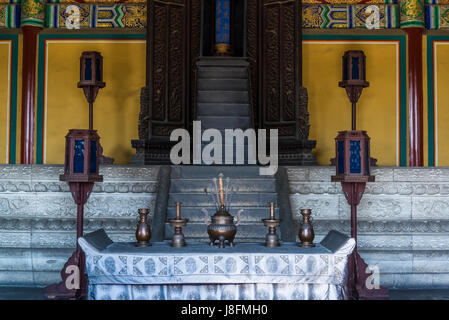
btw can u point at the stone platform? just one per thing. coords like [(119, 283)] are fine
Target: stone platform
[(403, 218)]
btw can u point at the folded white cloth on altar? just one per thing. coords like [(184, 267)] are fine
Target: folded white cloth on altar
[(156, 272)]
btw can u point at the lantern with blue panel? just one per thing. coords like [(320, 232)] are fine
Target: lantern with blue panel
[(91, 78), (82, 160), (354, 78), (353, 157)]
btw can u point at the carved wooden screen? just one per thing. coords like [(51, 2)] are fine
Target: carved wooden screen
[(280, 43), (167, 71)]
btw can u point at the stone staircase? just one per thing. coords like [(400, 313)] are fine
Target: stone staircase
[(187, 184), (223, 97)]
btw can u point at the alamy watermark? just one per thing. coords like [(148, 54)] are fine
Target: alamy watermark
[(212, 152), (373, 280)]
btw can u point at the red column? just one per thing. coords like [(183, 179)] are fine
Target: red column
[(415, 96), (28, 93)]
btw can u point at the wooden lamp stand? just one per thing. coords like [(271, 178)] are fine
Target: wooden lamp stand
[(352, 164), (81, 171)]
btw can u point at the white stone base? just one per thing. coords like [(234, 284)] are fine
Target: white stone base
[(403, 218)]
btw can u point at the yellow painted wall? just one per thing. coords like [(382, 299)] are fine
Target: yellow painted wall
[(441, 81), (6, 56), (329, 106), (117, 106), (5, 51)]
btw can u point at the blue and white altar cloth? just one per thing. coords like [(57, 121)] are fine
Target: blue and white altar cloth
[(199, 271)]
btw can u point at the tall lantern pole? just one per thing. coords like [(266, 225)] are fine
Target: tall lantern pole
[(352, 161), (81, 171)]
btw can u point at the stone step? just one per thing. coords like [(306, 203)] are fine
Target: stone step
[(249, 214), (230, 151), (222, 61), (223, 84), (243, 185), (239, 199), (223, 109), (209, 172), (198, 231), (223, 73), (216, 96), (223, 122)]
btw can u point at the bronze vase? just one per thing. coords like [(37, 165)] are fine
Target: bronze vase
[(306, 233), (143, 232)]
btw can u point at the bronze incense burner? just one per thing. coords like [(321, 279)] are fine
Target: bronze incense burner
[(222, 226)]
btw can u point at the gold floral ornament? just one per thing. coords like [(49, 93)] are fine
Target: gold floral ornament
[(311, 16), (412, 8), (32, 8), (134, 16)]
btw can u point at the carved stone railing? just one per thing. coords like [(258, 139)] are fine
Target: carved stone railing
[(38, 216), (403, 220)]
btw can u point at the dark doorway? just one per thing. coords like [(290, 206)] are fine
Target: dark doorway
[(238, 27)]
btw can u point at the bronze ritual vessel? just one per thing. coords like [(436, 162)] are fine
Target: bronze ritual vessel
[(143, 232), (306, 233), (222, 227)]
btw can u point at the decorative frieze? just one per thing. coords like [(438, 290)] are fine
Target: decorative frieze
[(317, 14), (9, 16), (425, 174), (379, 227), (62, 204), (430, 208), (52, 172), (348, 16), (133, 15)]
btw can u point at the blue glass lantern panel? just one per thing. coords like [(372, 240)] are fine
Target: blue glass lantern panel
[(355, 68), (88, 69), (364, 69), (93, 157), (222, 21), (341, 157), (78, 157), (367, 158), (67, 155), (345, 69), (97, 70), (355, 161)]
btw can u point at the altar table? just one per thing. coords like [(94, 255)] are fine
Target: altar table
[(247, 271)]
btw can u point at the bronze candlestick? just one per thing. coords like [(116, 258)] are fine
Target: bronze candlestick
[(178, 239), (143, 232), (306, 233), (272, 239)]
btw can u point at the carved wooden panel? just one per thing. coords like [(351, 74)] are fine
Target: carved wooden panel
[(168, 65), (195, 45), (280, 65), (252, 54)]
